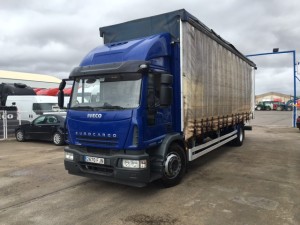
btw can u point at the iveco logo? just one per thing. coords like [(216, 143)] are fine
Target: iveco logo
[(94, 115)]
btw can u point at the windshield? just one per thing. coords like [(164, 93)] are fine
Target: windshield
[(117, 91)]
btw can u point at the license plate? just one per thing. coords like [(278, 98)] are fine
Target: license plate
[(91, 159)]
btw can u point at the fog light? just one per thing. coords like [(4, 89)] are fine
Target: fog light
[(69, 156), (134, 164), (143, 66), (143, 164)]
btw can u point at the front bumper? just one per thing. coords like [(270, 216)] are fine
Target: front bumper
[(111, 170)]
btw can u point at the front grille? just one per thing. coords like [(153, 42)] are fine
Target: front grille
[(103, 169), (99, 151), (103, 141)]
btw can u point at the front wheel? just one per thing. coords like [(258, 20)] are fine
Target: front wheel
[(58, 139), (174, 166), (20, 136)]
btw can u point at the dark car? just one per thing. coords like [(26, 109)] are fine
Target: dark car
[(49, 127), (298, 122)]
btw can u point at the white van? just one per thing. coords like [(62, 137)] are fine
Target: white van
[(31, 106)]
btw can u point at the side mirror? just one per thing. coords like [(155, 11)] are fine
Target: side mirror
[(62, 85), (166, 79), (166, 95), (166, 90), (61, 97)]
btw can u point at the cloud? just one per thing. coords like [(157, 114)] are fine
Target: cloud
[(276, 80), (52, 37)]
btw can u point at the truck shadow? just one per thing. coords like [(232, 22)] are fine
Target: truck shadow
[(210, 157), (198, 166)]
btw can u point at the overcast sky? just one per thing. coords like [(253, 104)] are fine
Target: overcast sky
[(51, 37)]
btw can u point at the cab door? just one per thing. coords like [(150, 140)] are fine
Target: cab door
[(158, 114)]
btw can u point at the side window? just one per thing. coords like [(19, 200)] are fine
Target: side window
[(39, 120), (36, 107), (51, 120)]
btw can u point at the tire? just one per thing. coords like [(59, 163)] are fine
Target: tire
[(279, 108), (268, 108), (58, 139), (289, 108), (20, 135), (174, 166), (258, 108), (238, 141)]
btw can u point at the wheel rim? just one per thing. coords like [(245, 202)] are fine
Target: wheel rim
[(56, 139), (20, 135), (241, 136), (172, 165)]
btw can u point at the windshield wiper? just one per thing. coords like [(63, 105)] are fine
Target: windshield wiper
[(94, 108), (111, 107), (83, 107)]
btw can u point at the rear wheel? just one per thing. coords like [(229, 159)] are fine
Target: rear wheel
[(258, 108), (279, 108), (238, 141), (20, 136), (175, 165), (58, 139)]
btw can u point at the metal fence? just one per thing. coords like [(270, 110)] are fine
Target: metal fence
[(8, 122)]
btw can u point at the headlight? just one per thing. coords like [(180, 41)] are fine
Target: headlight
[(135, 164), (69, 156)]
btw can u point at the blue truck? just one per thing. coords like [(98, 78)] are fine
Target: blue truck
[(161, 92)]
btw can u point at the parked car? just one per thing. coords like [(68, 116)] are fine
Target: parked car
[(281, 106), (49, 127), (273, 105), (265, 105)]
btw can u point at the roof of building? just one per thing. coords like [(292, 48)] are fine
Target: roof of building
[(28, 76), (273, 93), (30, 79)]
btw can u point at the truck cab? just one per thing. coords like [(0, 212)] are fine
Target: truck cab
[(121, 109)]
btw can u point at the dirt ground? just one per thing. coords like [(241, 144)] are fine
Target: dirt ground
[(257, 183)]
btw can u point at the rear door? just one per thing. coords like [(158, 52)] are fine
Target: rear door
[(51, 125), (38, 128)]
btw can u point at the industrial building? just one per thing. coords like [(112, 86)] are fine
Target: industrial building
[(272, 96)]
